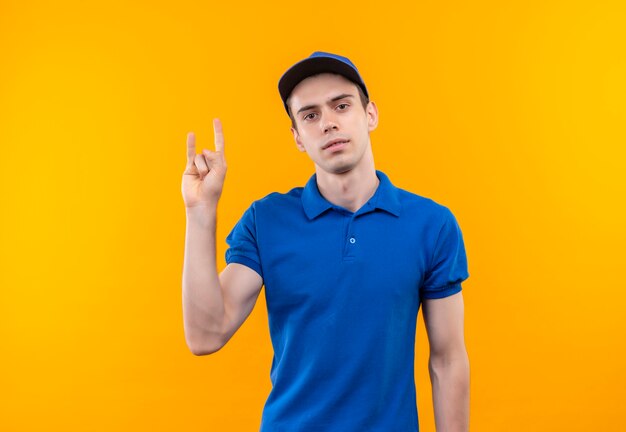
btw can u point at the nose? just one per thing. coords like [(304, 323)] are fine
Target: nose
[(329, 122)]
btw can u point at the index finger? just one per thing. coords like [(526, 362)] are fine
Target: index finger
[(191, 147), (219, 135)]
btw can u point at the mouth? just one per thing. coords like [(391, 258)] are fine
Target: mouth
[(336, 143)]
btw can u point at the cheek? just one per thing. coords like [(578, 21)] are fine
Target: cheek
[(364, 126), (307, 139)]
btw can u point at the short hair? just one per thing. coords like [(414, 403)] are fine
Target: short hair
[(362, 96)]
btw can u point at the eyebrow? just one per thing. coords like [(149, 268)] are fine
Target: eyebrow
[(341, 96)]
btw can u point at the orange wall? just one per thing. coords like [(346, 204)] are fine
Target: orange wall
[(510, 113)]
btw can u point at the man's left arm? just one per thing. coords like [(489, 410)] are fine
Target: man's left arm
[(448, 363)]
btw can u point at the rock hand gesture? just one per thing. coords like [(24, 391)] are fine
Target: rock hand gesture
[(204, 174)]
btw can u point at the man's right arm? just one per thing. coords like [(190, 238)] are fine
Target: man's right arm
[(214, 306)]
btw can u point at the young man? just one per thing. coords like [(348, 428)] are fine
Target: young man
[(346, 262)]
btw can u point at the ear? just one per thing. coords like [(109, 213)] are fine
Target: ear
[(296, 137), (372, 115)]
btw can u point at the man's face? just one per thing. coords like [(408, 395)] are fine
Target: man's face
[(327, 107)]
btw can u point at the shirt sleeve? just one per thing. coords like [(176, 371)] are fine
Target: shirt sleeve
[(242, 241), (449, 263)]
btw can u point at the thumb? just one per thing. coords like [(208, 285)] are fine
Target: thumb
[(213, 159)]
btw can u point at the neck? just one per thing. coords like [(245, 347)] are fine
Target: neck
[(350, 189)]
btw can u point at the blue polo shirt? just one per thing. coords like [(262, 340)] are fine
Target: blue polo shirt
[(343, 290)]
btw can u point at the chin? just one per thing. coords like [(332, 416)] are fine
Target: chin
[(340, 169)]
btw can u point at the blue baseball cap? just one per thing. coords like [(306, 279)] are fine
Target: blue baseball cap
[(318, 62)]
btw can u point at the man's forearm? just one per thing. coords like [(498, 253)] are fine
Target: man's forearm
[(450, 379), (203, 304)]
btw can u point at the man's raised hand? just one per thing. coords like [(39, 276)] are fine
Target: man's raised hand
[(204, 174)]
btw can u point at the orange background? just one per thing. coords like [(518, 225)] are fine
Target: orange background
[(510, 113)]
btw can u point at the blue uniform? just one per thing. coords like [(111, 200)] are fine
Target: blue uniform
[(343, 290)]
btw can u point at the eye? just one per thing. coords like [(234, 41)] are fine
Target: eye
[(306, 117), (342, 105)]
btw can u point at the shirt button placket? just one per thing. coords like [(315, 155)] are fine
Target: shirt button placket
[(350, 241)]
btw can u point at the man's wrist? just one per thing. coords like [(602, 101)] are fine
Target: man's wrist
[(203, 213)]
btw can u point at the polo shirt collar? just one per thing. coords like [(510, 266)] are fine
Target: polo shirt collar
[(385, 198)]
